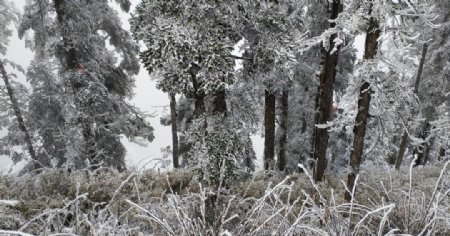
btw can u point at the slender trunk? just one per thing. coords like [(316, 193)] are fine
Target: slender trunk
[(427, 150), (401, 152), (269, 130), (420, 150), (283, 129), (359, 131), (41, 45), (18, 113), (441, 153), (391, 158), (421, 64), (71, 64), (327, 78), (173, 118)]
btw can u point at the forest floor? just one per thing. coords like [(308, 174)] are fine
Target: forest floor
[(413, 201)]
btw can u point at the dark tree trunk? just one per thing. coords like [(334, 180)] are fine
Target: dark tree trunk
[(420, 71), (173, 118), (403, 143), (420, 150), (60, 8), (269, 130), (359, 131), (327, 78), (283, 129), (18, 114), (427, 150), (401, 151), (199, 99), (90, 145), (71, 64), (220, 103), (441, 153)]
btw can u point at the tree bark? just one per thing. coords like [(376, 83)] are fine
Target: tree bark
[(173, 118), (18, 114), (60, 8), (327, 78), (359, 131), (401, 151), (420, 150), (427, 150), (269, 130), (220, 103), (71, 64), (283, 130), (441, 153), (402, 148), (392, 154), (199, 98)]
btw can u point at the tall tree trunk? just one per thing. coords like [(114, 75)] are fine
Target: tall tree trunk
[(173, 118), (359, 131), (402, 148), (283, 129), (71, 64), (269, 130), (18, 113), (327, 78)]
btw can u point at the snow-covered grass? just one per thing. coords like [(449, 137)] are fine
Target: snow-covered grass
[(412, 202)]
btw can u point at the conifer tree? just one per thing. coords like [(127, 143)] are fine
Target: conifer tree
[(9, 15), (89, 110)]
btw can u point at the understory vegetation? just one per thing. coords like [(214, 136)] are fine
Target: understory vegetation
[(106, 202)]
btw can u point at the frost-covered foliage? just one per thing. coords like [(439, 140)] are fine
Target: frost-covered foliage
[(271, 31), (391, 74), (219, 154), (185, 39), (434, 93), (9, 16), (16, 141), (107, 202), (79, 113), (188, 49)]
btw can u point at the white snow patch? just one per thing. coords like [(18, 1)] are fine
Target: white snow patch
[(9, 202)]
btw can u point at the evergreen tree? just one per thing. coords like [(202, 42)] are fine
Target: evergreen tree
[(191, 50), (325, 100), (271, 31), (18, 130), (87, 97)]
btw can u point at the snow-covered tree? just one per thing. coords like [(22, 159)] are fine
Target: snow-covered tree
[(87, 97), (12, 97), (271, 30), (189, 45)]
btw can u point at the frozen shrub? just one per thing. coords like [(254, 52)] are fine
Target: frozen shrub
[(386, 202)]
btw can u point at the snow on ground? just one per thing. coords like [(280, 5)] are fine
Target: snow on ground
[(9, 203)]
